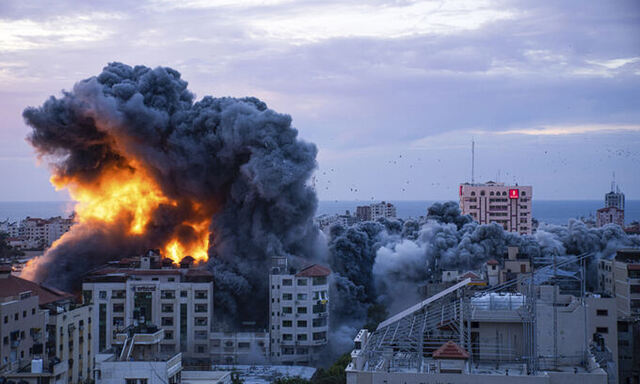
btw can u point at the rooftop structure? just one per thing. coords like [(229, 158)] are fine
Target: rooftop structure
[(485, 336), (376, 211)]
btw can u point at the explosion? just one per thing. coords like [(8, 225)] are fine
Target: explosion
[(130, 195), (222, 180)]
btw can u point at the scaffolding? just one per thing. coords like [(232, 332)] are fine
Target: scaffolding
[(407, 340)]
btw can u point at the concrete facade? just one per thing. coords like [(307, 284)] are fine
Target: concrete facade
[(299, 313), (507, 205), (179, 300), (69, 339), (609, 215)]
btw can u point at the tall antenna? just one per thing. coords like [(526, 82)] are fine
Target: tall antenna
[(473, 161), (613, 182)]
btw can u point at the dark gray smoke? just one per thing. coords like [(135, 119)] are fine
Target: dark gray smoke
[(232, 160), (383, 263)]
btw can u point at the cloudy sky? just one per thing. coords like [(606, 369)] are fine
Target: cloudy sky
[(391, 92)]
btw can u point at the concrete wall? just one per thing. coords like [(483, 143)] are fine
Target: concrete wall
[(445, 378)]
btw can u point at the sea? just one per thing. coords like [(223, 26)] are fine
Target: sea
[(548, 211)]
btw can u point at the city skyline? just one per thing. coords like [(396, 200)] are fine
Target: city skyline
[(549, 92)]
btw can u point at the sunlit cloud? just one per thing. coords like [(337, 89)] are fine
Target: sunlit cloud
[(25, 34), (310, 24), (555, 130)]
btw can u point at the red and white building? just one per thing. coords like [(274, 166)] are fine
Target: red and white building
[(491, 202), (610, 215)]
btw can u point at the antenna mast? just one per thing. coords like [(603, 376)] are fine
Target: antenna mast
[(613, 182), (473, 161)]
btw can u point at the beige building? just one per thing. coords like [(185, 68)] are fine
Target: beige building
[(45, 334), (148, 290), (299, 313), (609, 215), (620, 277), (491, 202)]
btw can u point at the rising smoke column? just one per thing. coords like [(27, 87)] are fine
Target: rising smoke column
[(221, 177)]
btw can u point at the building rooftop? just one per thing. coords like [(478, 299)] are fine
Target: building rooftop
[(14, 286), (450, 350), (314, 270)]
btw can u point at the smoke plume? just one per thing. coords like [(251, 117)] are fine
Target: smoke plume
[(384, 263), (220, 177)]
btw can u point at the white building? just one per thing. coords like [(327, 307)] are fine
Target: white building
[(326, 221), (146, 290), (299, 314), (374, 212), (507, 205), (135, 358)]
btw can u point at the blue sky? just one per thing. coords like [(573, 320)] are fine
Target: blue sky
[(391, 92)]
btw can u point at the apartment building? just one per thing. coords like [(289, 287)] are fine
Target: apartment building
[(299, 313), (491, 202), (148, 290), (620, 278), (45, 333), (609, 215), (373, 212)]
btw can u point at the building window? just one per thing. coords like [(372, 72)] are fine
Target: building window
[(287, 310), (184, 294), (118, 307), (201, 294), (6, 319), (602, 330), (200, 335), (102, 294), (319, 308), (320, 280), (287, 282), (167, 308), (168, 294), (302, 337), (319, 336), (199, 308), (602, 312), (287, 296), (287, 323), (118, 294), (201, 321), (167, 321), (287, 337), (302, 309), (302, 281), (118, 321), (623, 326), (168, 335), (302, 323), (302, 296), (320, 322)]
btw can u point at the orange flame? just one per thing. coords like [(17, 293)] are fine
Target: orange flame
[(130, 195)]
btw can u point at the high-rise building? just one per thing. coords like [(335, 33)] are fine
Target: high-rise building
[(491, 202), (613, 211), (150, 291), (299, 313)]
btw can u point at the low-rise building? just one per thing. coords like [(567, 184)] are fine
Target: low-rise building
[(299, 313), (376, 211), (619, 277)]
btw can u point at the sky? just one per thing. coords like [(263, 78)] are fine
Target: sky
[(391, 92)]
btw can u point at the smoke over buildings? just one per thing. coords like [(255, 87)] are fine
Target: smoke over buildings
[(380, 263), (220, 177)]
